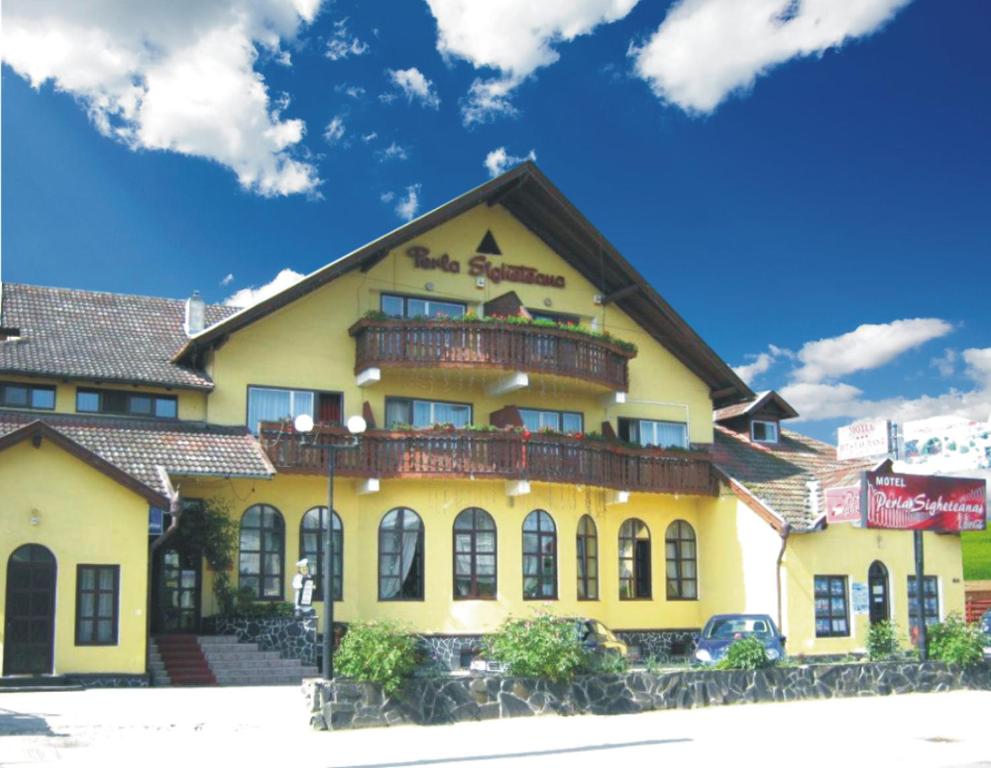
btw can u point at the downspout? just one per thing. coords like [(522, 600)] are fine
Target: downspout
[(175, 512), (784, 532)]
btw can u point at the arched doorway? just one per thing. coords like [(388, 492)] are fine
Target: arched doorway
[(877, 585), (29, 623)]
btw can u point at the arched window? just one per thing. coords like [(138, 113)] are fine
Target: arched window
[(311, 533), (401, 555), (587, 546), (877, 587), (682, 561), (262, 547), (539, 557), (474, 554), (634, 560)]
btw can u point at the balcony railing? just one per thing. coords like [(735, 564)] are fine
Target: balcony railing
[(526, 348), (493, 455)]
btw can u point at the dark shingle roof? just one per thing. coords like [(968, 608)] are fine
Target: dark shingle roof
[(778, 474), (138, 447), (98, 336)]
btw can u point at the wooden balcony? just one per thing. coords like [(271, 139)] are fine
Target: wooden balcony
[(506, 455), (492, 345)]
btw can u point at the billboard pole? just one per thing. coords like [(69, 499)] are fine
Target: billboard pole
[(920, 601)]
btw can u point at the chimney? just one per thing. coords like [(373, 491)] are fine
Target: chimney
[(195, 314)]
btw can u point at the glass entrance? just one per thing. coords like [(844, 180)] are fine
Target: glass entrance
[(178, 593), (877, 585), (29, 626)]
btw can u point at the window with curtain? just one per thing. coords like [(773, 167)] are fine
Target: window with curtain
[(261, 552), (832, 612), (311, 533), (764, 431), (268, 404), (539, 557), (97, 590), (474, 555), (682, 561), (425, 413), (634, 560), (587, 545), (410, 306), (658, 434), (560, 421), (930, 601), (401, 555)]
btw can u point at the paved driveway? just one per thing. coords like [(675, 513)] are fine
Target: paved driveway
[(267, 727)]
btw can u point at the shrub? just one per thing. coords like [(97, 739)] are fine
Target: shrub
[(882, 641), (377, 652), (605, 663), (956, 642), (746, 653), (545, 646)]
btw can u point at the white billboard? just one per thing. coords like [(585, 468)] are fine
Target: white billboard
[(864, 439)]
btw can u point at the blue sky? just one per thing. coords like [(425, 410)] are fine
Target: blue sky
[(845, 186)]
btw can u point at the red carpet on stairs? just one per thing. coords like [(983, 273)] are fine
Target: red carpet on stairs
[(184, 660)]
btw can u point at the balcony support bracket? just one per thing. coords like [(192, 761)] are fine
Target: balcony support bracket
[(367, 486), (368, 377), (510, 383), (618, 497), (517, 487)]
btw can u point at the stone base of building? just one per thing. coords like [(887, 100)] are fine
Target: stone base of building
[(341, 704), (293, 638), (99, 680)]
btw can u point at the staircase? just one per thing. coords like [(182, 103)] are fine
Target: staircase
[(220, 660), (178, 660)]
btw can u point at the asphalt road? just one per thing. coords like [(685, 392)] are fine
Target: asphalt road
[(267, 727)]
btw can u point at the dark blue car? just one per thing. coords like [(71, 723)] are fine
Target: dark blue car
[(986, 629), (724, 629)]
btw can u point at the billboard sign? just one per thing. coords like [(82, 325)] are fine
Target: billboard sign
[(864, 439), (924, 502), (947, 444), (843, 504)]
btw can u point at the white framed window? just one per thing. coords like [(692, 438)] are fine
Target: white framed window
[(411, 306), (657, 434), (764, 431), (560, 421), (281, 404), (425, 413)]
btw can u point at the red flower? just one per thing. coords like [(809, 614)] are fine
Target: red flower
[(579, 436), (526, 434)]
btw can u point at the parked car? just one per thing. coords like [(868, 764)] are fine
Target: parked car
[(594, 636), (986, 629), (724, 629)]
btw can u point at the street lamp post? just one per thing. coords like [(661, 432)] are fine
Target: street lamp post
[(356, 426)]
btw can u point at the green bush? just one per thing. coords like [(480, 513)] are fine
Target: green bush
[(956, 642), (545, 646), (746, 653), (882, 641), (604, 663), (377, 652)]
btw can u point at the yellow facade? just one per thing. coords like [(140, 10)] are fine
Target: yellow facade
[(83, 517)]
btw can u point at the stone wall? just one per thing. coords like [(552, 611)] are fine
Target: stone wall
[(661, 644), (342, 704), (293, 638), (98, 680)]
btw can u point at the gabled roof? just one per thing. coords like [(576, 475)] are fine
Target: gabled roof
[(530, 196), (98, 336), (776, 475), (139, 447), (761, 401), (39, 431)]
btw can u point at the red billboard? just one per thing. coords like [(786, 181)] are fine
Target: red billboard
[(924, 502), (843, 504)]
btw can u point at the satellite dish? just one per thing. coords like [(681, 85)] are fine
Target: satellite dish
[(303, 423), (356, 425)]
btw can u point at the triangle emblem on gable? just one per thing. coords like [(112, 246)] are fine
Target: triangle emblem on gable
[(489, 245)]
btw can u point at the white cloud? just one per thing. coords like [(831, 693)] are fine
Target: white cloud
[(866, 347), (368, 137), (946, 363), (343, 44), (334, 131), (499, 160), (415, 86), (248, 296), (392, 152), (750, 371), (387, 197), (228, 279), (178, 77), (514, 37), (409, 203), (704, 50), (352, 91)]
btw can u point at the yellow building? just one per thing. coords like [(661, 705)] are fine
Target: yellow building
[(541, 435)]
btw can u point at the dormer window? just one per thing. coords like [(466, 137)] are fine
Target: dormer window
[(764, 431)]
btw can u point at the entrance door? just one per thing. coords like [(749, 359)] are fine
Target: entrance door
[(29, 626), (877, 585), (178, 592)]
